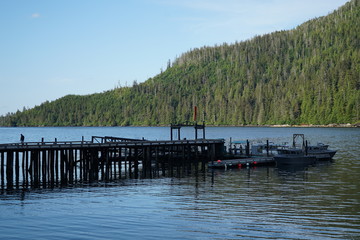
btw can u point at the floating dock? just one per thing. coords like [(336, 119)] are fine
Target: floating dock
[(242, 162)]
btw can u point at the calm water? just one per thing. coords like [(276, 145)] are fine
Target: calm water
[(320, 202)]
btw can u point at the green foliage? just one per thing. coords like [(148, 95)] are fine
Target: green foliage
[(308, 75)]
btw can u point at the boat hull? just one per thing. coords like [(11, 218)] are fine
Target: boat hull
[(294, 160), (324, 155)]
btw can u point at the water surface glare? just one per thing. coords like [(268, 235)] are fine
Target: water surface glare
[(318, 202)]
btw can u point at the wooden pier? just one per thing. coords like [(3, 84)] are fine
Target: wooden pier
[(49, 164)]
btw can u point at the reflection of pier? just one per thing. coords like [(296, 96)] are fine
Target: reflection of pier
[(46, 164)]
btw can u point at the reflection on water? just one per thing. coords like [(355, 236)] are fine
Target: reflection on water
[(314, 202)]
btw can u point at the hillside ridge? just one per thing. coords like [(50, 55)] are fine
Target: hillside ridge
[(308, 75)]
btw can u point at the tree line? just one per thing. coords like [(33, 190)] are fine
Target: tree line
[(307, 75)]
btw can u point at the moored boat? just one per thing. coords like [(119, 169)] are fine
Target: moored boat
[(293, 156), (321, 151), (304, 154)]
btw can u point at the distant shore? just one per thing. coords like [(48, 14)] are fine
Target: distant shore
[(333, 125)]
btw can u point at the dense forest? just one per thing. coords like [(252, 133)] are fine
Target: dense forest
[(307, 75)]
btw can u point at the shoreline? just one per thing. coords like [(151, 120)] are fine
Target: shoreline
[(333, 125)]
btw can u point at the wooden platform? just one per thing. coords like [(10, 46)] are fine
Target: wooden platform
[(45, 164)]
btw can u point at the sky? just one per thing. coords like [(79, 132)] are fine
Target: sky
[(49, 49)]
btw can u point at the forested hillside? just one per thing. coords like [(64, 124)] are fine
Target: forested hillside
[(308, 75)]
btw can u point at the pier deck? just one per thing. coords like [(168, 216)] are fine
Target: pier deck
[(43, 164)]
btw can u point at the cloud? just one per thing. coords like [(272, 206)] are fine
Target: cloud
[(35, 15)]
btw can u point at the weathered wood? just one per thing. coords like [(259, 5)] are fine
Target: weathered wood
[(23, 167), (17, 164), (52, 166), (27, 168), (9, 169), (2, 172), (43, 168), (45, 164)]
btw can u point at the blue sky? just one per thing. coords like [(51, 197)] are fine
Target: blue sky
[(49, 49)]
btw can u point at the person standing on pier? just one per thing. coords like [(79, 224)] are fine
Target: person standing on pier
[(22, 138)]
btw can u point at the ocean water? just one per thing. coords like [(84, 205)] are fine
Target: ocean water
[(317, 202)]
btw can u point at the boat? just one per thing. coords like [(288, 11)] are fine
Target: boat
[(321, 151), (293, 156), (305, 154), (265, 149)]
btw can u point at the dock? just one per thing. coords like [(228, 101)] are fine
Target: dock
[(243, 162), (60, 163)]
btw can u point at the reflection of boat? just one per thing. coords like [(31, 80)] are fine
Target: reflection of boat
[(293, 156)]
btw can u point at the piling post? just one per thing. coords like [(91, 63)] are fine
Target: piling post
[(136, 163), (196, 131), (81, 159), (144, 162), (126, 161), (86, 163), (36, 168), (2, 169), (102, 164), (71, 166), (95, 166), (157, 161), (52, 167), (57, 165), (129, 162), (9, 169), (119, 162), (43, 167), (27, 168), (107, 165), (164, 158), (75, 164), (62, 167), (188, 157), (89, 162), (247, 148), (23, 167), (204, 137), (170, 159), (67, 166), (17, 166)]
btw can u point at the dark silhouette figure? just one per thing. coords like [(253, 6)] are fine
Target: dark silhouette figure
[(22, 138)]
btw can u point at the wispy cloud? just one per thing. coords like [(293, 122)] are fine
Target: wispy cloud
[(35, 15)]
